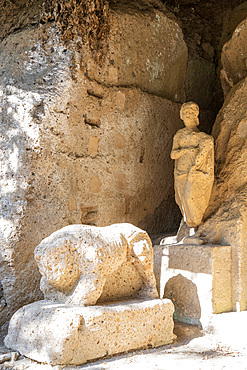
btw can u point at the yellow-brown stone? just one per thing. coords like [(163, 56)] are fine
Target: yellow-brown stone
[(95, 184), (120, 99), (119, 141), (121, 182), (93, 145)]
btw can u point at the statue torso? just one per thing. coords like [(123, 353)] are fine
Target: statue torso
[(187, 139)]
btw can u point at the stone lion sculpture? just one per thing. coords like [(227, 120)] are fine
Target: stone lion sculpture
[(76, 261)]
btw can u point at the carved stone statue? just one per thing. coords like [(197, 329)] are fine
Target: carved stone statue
[(193, 152), (76, 261), (78, 321)]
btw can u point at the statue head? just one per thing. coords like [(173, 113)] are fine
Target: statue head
[(58, 262), (189, 114)]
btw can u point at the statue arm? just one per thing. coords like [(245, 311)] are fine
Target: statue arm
[(87, 290), (205, 147), (177, 152), (50, 292)]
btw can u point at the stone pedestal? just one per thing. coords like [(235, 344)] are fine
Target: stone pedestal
[(196, 278), (59, 334)]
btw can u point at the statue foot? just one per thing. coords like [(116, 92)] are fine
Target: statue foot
[(148, 292), (195, 240)]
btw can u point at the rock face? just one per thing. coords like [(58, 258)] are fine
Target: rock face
[(234, 58), (159, 70), (80, 263), (84, 145), (227, 210), (226, 219), (26, 202)]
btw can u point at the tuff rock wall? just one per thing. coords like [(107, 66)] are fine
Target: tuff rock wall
[(226, 218), (84, 143)]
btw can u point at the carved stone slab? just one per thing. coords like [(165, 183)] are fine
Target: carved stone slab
[(60, 334), (197, 278)]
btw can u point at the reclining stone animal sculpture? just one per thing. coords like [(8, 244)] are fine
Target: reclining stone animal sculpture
[(76, 261)]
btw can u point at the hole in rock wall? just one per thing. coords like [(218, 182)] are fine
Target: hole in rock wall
[(183, 293)]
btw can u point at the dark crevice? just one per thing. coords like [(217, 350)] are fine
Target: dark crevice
[(3, 303), (205, 31)]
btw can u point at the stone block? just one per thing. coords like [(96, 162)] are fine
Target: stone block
[(95, 184), (155, 60), (119, 141), (196, 278), (121, 181), (61, 334)]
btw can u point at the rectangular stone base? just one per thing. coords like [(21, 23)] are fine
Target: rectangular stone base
[(197, 278), (61, 335)]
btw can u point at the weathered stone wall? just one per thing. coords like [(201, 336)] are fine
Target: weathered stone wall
[(32, 74), (234, 58), (83, 144), (227, 213), (146, 50)]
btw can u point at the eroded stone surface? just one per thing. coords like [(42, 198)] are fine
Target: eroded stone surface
[(196, 278), (234, 58), (193, 152), (78, 260), (30, 78), (62, 334), (160, 69), (74, 150), (226, 217)]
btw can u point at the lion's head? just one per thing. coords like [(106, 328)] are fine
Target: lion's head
[(58, 262)]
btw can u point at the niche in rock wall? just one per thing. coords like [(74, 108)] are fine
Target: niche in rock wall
[(184, 295)]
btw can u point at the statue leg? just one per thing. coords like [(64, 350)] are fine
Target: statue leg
[(142, 256), (87, 291), (196, 197), (51, 293), (180, 198)]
